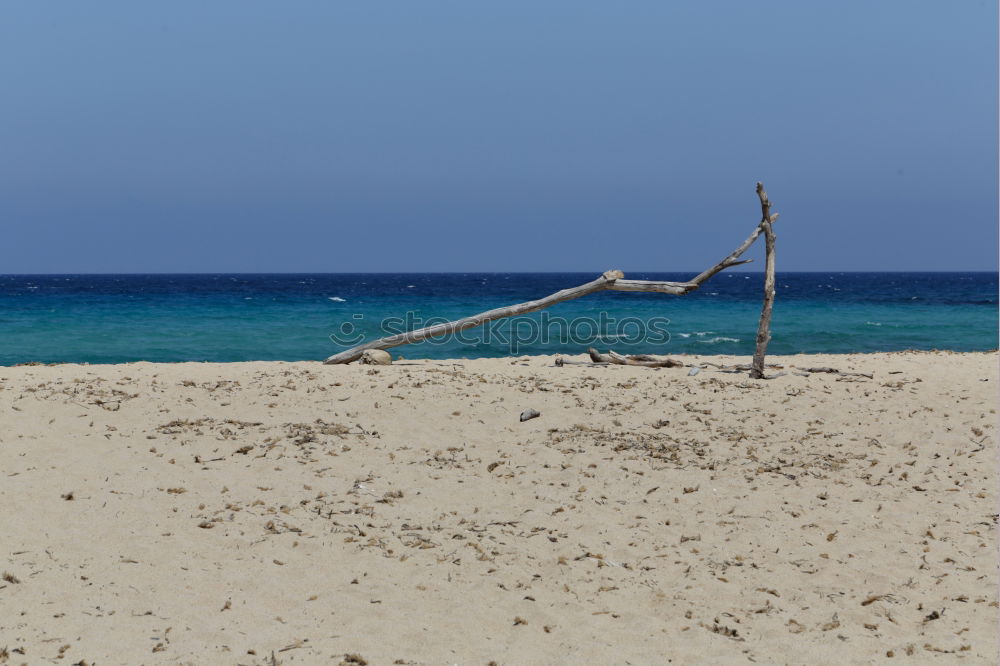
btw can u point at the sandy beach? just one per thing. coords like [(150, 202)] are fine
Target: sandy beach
[(266, 512)]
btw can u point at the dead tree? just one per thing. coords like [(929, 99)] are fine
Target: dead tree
[(613, 280)]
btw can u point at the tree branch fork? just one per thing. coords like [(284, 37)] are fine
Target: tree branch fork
[(611, 280)]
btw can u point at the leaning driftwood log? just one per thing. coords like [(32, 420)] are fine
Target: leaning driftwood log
[(600, 284), (644, 360), (613, 280)]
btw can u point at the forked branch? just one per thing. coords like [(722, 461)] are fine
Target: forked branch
[(612, 280)]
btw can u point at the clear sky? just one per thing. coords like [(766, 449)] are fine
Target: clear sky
[(323, 136)]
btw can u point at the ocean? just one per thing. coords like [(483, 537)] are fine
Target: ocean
[(166, 318)]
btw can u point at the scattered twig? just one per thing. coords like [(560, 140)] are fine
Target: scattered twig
[(834, 371), (739, 367)]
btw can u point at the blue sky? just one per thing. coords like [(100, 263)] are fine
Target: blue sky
[(251, 136)]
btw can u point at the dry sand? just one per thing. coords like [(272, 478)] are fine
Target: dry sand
[(225, 513)]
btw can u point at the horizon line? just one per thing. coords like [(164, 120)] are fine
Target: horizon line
[(570, 272)]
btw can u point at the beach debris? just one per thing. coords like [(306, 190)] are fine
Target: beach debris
[(693, 371), (835, 371), (722, 630), (800, 372), (644, 360), (739, 367), (796, 627), (359, 487), (529, 414), (375, 357), (294, 645), (560, 362)]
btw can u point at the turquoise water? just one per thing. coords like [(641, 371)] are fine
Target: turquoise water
[(119, 318)]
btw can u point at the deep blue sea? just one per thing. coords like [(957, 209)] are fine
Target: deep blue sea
[(119, 318)]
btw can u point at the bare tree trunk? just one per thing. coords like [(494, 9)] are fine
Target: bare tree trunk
[(764, 327)]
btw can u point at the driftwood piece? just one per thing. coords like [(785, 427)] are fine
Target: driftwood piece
[(834, 371), (739, 367), (764, 327), (611, 280), (643, 360), (560, 362)]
